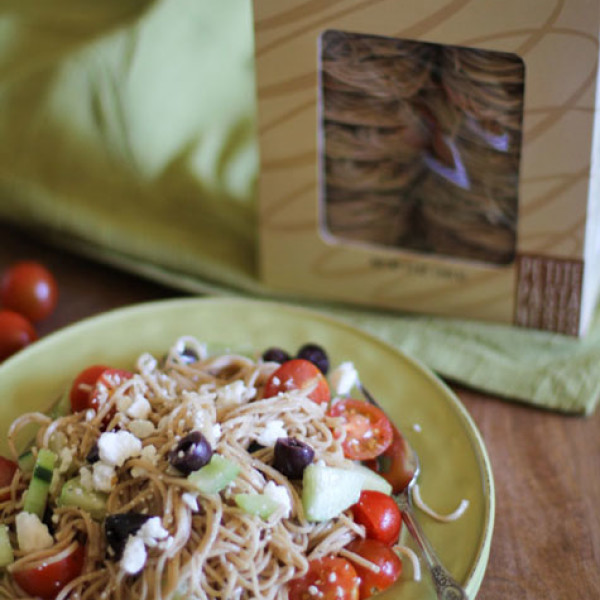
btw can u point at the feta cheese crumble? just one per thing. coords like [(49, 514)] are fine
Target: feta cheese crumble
[(150, 534), (279, 494), (343, 378), (115, 447), (32, 534), (272, 431)]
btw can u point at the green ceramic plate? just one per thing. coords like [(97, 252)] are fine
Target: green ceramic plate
[(453, 458)]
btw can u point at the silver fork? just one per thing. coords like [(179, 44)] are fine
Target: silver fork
[(447, 588)]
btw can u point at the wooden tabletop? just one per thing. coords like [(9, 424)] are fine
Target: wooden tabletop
[(546, 542)]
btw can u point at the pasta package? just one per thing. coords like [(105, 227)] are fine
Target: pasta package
[(433, 161)]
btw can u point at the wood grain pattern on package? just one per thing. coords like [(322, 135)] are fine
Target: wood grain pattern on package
[(346, 145)]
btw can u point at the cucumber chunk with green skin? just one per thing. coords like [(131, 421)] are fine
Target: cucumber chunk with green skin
[(372, 480), (37, 493), (74, 494), (257, 504), (26, 461), (329, 491), (7, 556), (214, 476)]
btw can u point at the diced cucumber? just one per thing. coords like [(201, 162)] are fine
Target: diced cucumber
[(257, 504), (26, 461), (62, 407), (214, 476), (74, 494), (37, 493), (6, 551), (372, 480), (328, 491)]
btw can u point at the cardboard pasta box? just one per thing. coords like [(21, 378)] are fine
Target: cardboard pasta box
[(435, 157)]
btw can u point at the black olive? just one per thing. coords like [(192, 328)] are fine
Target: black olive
[(316, 355), (191, 453), (292, 456), (93, 455), (254, 447), (119, 527), (277, 355)]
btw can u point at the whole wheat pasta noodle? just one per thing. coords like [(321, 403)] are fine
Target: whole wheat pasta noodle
[(211, 547)]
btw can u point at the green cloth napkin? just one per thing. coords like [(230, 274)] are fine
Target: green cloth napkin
[(128, 131)]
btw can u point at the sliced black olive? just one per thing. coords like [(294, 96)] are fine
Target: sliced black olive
[(93, 455), (292, 456), (316, 355), (191, 453), (277, 355), (119, 527)]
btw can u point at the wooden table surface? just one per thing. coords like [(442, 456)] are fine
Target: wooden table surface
[(546, 542)]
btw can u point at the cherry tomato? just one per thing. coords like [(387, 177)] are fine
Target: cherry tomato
[(395, 464), (83, 386), (298, 374), (379, 515), (106, 384), (16, 332), (8, 469), (28, 288), (368, 430), (52, 575), (328, 578), (389, 563)]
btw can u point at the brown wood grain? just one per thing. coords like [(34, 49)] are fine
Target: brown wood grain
[(546, 542)]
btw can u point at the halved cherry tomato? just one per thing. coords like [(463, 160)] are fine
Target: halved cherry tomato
[(368, 430), (389, 563), (52, 575), (83, 386), (16, 332), (328, 578), (395, 464), (298, 374), (29, 288), (379, 515), (8, 469)]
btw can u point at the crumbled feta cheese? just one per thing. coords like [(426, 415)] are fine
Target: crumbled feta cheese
[(65, 459), (279, 494), (152, 531), (134, 555), (104, 477), (32, 534), (115, 447), (190, 500), (141, 428), (234, 393), (272, 431), (216, 431), (343, 378), (149, 453), (139, 409)]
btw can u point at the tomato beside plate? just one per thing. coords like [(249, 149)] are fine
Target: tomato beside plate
[(298, 374)]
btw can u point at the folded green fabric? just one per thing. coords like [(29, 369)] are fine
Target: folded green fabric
[(128, 131)]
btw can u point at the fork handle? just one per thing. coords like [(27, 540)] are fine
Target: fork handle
[(445, 585)]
